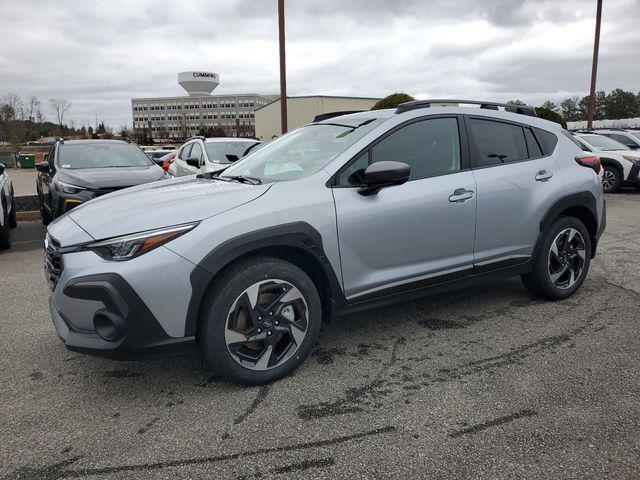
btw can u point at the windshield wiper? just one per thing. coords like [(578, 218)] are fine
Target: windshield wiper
[(243, 179), (352, 127)]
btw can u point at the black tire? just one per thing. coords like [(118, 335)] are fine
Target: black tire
[(13, 222), (539, 281), (612, 180), (216, 314), (5, 241)]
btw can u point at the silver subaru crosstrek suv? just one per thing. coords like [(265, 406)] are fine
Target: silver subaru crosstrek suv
[(343, 214)]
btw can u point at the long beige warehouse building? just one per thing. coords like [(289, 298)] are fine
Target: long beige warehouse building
[(302, 110)]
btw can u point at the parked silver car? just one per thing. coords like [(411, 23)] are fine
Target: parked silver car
[(340, 215), (7, 209)]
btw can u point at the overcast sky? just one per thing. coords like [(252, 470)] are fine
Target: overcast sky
[(100, 54)]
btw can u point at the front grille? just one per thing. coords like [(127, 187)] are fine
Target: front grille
[(103, 191), (53, 265)]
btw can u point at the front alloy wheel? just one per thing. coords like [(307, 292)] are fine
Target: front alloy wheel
[(260, 321), (266, 324), (567, 258)]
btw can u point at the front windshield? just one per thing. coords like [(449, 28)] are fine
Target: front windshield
[(302, 152), (227, 152), (601, 142), (101, 155)]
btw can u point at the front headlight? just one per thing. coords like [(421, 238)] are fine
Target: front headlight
[(134, 245), (631, 159), (68, 188)]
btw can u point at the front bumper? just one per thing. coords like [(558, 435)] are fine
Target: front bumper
[(634, 175), (124, 328), (130, 309)]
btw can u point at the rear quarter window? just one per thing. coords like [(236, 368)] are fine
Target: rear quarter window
[(547, 140)]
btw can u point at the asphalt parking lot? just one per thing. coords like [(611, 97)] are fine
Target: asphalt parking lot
[(481, 383)]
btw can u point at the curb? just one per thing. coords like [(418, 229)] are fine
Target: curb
[(27, 216)]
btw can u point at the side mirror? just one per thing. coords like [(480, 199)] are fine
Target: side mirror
[(1, 168), (193, 162), (232, 158), (379, 175), (42, 167)]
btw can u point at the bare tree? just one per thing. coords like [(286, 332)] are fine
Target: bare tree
[(15, 102), (33, 109), (60, 106)]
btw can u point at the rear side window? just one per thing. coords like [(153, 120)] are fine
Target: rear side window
[(547, 140), (622, 139), (497, 142)]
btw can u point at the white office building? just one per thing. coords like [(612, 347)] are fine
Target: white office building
[(177, 118)]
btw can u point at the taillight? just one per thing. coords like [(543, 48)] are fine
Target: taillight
[(590, 162)]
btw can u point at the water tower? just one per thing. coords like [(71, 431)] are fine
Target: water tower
[(198, 84)]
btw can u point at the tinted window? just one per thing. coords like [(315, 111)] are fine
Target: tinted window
[(547, 140), (227, 152), (430, 147), (532, 144), (101, 155), (196, 151), (622, 139), (497, 142), (354, 173), (184, 153)]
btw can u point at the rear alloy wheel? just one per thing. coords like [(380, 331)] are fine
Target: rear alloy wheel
[(260, 321), (611, 179), (567, 257), (562, 261)]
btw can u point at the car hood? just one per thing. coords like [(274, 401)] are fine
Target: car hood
[(109, 178), (161, 204)]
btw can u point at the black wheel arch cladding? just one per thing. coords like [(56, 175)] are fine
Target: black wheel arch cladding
[(295, 237), (582, 205)]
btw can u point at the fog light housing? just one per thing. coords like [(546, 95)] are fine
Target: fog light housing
[(109, 326)]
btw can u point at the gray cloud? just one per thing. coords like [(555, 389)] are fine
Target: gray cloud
[(101, 54)]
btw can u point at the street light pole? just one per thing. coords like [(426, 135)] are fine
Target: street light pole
[(283, 70), (594, 66)]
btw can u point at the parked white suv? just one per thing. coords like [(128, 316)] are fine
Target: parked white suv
[(202, 155), (621, 164)]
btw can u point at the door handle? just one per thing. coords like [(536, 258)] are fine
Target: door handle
[(543, 176), (461, 195)]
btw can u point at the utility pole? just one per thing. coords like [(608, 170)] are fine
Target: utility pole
[(283, 70), (594, 66)]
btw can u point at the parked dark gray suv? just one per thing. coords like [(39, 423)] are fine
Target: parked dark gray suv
[(340, 215)]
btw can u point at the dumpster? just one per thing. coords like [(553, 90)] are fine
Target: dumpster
[(26, 160)]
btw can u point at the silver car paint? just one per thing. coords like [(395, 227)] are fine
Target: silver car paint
[(161, 277), (404, 233), (161, 204)]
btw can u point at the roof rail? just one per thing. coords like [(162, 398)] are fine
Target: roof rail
[(327, 116), (521, 109), (201, 137)]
